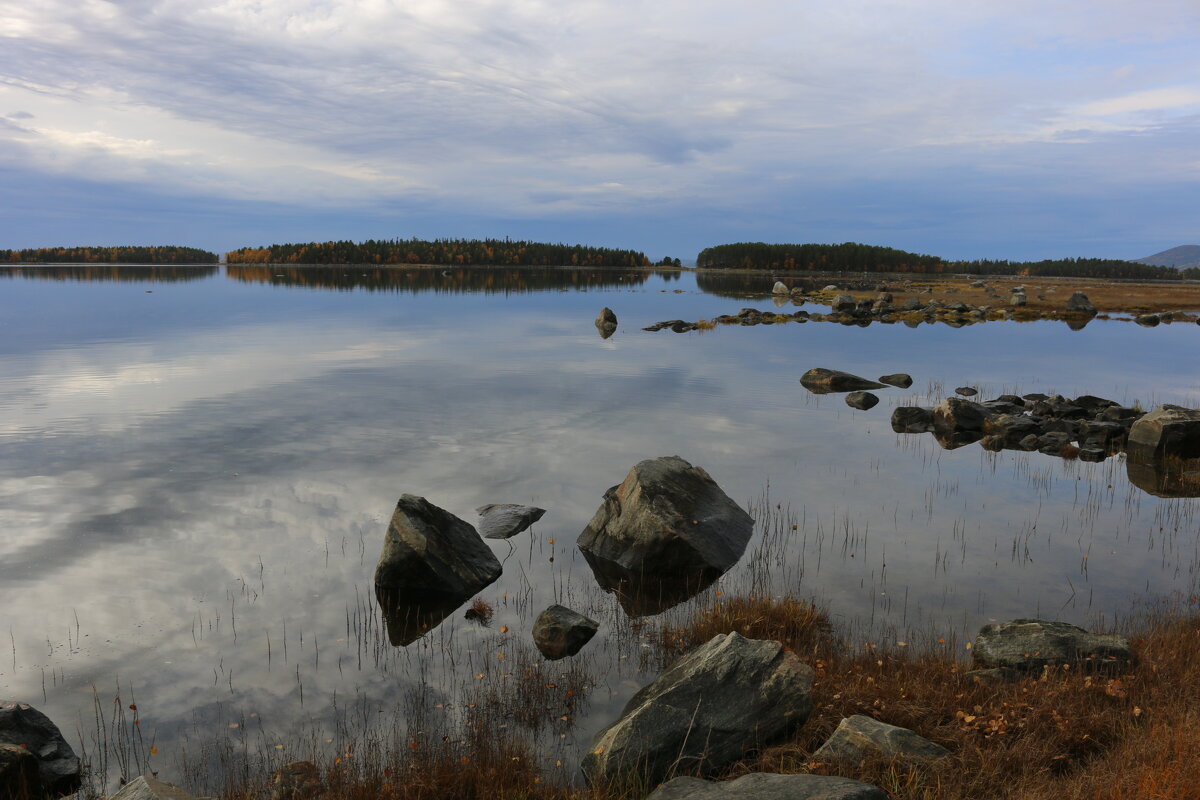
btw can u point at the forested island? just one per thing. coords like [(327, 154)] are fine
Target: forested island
[(854, 257), (507, 252), (165, 254)]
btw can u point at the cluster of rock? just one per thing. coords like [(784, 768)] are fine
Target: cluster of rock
[(820, 380), (659, 537), (1050, 424)]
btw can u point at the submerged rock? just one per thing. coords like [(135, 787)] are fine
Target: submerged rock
[(506, 520), (726, 698), (860, 737), (559, 632), (1031, 644), (57, 765), (912, 419), (769, 786), (668, 518), (819, 380)]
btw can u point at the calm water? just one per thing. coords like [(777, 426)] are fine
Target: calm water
[(197, 468)]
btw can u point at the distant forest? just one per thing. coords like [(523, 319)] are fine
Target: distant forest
[(108, 255), (854, 257), (440, 251)]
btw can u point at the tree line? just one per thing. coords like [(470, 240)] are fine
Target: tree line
[(506, 252), (855, 257), (166, 254)]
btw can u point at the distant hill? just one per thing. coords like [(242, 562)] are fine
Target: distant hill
[(1182, 257)]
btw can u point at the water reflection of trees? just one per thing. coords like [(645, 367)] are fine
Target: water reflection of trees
[(110, 272), (416, 280)]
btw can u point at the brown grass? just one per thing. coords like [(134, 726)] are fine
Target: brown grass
[(1060, 733)]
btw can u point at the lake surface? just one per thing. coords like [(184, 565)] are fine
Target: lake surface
[(197, 468)]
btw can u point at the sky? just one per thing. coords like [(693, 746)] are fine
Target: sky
[(961, 128)]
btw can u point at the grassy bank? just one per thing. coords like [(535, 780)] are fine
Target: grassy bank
[(1060, 733)]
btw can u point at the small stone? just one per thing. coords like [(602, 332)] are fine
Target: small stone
[(506, 520), (863, 401), (900, 380), (859, 737), (966, 391)]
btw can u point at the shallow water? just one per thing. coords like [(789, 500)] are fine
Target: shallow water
[(197, 468)]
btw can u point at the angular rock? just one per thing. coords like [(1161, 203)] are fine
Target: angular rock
[(819, 380), (859, 737), (147, 787), (1078, 303), (428, 549), (668, 518), (780, 288), (506, 520), (24, 726), (912, 419), (900, 380), (1092, 403), (559, 632), (1012, 428), (769, 786), (1031, 644), (1101, 435), (1011, 398), (725, 699), (955, 415), (1167, 432), (298, 780), (606, 318), (18, 773), (863, 401)]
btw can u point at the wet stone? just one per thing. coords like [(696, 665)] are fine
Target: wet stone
[(863, 401), (560, 632)]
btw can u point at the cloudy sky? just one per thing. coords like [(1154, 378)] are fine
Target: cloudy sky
[(964, 128)]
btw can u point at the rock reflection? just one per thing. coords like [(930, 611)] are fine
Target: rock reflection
[(1165, 477), (409, 616), (643, 594)]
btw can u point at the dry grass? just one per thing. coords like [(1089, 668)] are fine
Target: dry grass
[(1060, 733)]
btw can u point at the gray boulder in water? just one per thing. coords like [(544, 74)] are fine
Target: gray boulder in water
[(769, 786), (57, 765), (559, 632), (428, 550), (1166, 432), (728, 697), (606, 317), (780, 288), (668, 518), (1031, 644), (506, 520)]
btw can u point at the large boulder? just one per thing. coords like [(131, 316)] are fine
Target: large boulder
[(559, 632), (147, 787), (860, 737), (956, 415), (1079, 304), (26, 727), (668, 518), (1031, 644), (780, 288), (1166, 432), (505, 520), (431, 563), (819, 380), (724, 700), (769, 786), (428, 549)]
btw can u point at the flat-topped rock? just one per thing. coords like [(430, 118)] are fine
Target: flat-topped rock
[(820, 380), (1031, 644), (505, 520), (1167, 432), (860, 737)]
